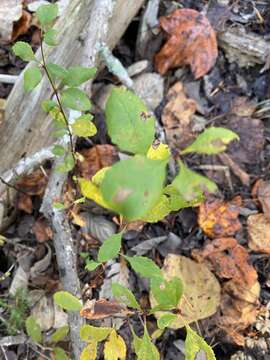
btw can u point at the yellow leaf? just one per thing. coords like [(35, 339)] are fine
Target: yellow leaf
[(77, 219), (89, 352), (159, 211), (115, 347), (99, 176), (158, 152), (91, 191)]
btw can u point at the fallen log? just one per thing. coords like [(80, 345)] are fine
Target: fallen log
[(26, 129)]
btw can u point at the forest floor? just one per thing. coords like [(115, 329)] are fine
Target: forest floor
[(228, 233)]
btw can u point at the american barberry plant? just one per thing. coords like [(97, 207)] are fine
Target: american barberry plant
[(135, 189)]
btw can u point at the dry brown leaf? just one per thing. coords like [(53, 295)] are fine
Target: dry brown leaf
[(259, 233), (101, 309), (191, 41), (243, 106), (263, 194), (218, 218), (33, 184), (252, 139), (201, 296), (177, 117), (25, 203), (10, 11), (228, 260), (96, 158), (239, 300), (22, 25), (42, 230)]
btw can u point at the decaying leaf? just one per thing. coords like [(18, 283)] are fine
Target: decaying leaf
[(34, 183), (42, 230), (263, 194), (259, 233), (218, 218), (101, 309), (21, 27), (191, 41), (96, 158), (177, 117), (250, 129), (25, 203), (201, 296), (10, 11), (229, 260)]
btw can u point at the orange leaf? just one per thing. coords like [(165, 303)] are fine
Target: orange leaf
[(21, 26), (218, 218), (191, 41)]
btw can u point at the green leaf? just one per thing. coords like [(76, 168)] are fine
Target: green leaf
[(58, 206), (212, 141), (195, 344), (56, 71), (33, 329), (83, 126), (91, 265), (77, 75), (32, 78), (159, 211), (67, 165), (125, 296), (89, 333), (167, 293), (58, 150), (128, 121), (176, 200), (46, 14), (60, 354), (24, 51), (67, 301), (60, 334), (191, 185), (50, 37), (110, 248), (146, 350), (144, 266), (48, 105), (75, 99), (132, 187), (165, 320)]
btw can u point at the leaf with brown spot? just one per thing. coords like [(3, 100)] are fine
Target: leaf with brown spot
[(34, 183), (191, 41), (218, 218), (42, 230), (259, 233), (101, 309), (96, 158), (177, 117)]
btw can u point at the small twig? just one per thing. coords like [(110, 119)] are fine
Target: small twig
[(236, 169), (8, 79), (13, 340), (55, 91)]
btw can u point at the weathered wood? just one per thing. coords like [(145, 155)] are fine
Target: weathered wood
[(26, 128)]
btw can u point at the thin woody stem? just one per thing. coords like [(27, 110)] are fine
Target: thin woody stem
[(55, 91)]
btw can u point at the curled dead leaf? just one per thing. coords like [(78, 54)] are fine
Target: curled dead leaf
[(177, 117), (191, 41), (22, 25), (42, 230), (34, 183), (259, 233), (96, 158), (25, 203), (101, 309), (218, 218)]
